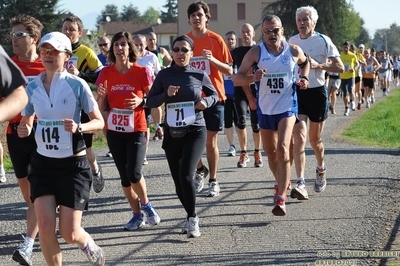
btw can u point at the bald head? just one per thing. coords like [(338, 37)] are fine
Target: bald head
[(247, 34), (104, 44), (151, 41)]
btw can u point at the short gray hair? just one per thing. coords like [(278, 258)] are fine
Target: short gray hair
[(310, 9)]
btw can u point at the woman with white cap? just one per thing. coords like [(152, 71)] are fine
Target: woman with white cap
[(60, 172)]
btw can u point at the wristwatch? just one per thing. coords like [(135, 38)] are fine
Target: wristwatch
[(79, 129)]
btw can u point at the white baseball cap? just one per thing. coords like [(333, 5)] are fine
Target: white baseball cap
[(58, 40), (361, 46)]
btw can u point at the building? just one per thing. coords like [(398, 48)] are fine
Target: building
[(166, 32), (226, 15)]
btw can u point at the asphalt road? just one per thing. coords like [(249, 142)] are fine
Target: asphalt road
[(355, 218)]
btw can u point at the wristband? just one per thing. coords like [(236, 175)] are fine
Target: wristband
[(304, 77)]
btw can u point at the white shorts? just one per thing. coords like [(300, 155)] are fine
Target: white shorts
[(384, 75), (335, 83)]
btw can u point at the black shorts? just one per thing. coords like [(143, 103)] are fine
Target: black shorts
[(369, 82), (357, 80), (214, 117), (313, 103), (68, 179), (21, 151)]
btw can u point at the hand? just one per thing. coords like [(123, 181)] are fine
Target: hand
[(132, 103), (253, 103), (23, 130), (172, 90), (73, 70), (303, 83), (201, 105), (259, 74), (207, 54), (102, 90), (313, 63), (70, 125)]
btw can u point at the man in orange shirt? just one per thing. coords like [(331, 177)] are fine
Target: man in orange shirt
[(212, 55)]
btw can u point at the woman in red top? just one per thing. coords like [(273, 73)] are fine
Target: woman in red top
[(122, 87)]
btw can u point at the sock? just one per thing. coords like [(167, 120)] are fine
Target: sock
[(321, 167), (212, 180), (85, 246), (158, 126), (201, 169), (256, 150), (144, 203), (301, 179), (29, 242), (243, 151)]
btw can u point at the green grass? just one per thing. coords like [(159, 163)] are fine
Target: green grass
[(379, 126)]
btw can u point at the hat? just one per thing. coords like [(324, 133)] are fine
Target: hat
[(361, 46), (58, 40)]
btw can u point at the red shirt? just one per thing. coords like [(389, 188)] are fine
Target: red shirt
[(30, 70), (121, 86)]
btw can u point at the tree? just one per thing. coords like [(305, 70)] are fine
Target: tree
[(131, 13), (151, 16), (44, 10), (109, 12), (172, 12)]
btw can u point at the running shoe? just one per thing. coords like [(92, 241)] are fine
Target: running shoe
[(98, 180), (368, 105), (23, 254), (279, 206), (243, 160), (152, 216), (346, 111), (199, 179), (353, 105), (372, 99), (232, 151), (300, 191), (135, 223), (359, 106), (145, 161), (185, 227), (94, 253), (213, 189), (193, 229), (320, 180), (109, 154), (258, 159), (158, 135), (3, 177)]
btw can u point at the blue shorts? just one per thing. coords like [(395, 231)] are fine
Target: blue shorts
[(271, 122), (346, 86), (214, 117)]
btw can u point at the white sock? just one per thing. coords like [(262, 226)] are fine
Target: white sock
[(29, 241)]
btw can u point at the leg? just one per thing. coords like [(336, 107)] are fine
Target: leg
[(31, 223), (45, 208), (299, 144), (315, 136), (212, 153)]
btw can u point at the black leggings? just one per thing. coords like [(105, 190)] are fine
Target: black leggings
[(183, 154), (128, 150)]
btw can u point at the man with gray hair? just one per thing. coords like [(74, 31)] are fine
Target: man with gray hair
[(313, 102)]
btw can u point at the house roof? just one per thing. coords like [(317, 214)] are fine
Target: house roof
[(110, 28)]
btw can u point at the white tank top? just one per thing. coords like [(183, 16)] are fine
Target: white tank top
[(277, 92)]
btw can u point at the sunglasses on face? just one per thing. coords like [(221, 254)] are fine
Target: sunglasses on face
[(270, 31), (183, 50), (52, 52), (19, 34), (103, 44)]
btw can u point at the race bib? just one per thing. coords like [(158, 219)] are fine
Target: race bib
[(180, 114), (201, 63), (369, 68), (73, 61), (276, 82), (120, 120), (346, 68), (51, 136)]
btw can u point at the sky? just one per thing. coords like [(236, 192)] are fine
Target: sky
[(375, 15)]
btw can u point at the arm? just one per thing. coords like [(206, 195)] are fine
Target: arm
[(241, 78), (157, 95), (222, 67), (11, 105), (333, 65), (25, 126), (211, 94), (304, 65), (166, 57)]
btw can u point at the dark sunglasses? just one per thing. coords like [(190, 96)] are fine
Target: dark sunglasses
[(103, 44), (270, 31), (183, 50), (19, 34), (52, 52)]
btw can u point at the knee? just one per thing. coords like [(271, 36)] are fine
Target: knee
[(241, 122), (69, 234), (255, 128)]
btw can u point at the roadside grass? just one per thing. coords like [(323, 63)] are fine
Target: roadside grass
[(379, 126)]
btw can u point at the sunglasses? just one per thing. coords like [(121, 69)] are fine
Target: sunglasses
[(103, 44), (270, 31), (19, 34), (183, 50), (52, 52)]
